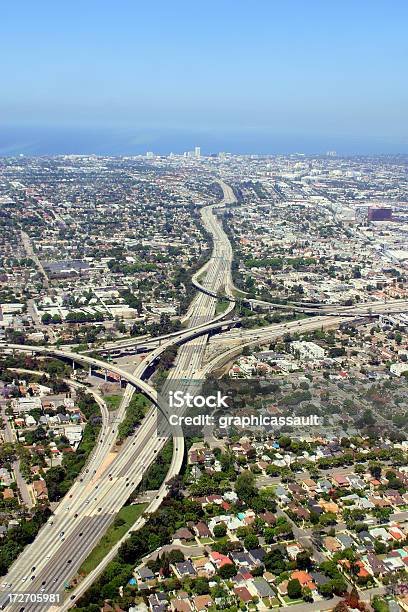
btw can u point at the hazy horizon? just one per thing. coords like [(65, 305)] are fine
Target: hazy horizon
[(267, 78), (46, 140)]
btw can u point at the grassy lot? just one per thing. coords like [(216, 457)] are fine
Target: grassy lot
[(113, 401), (273, 602), (201, 276), (292, 602), (238, 293), (126, 517), (221, 306), (205, 540)]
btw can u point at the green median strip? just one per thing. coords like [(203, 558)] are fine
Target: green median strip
[(113, 402), (221, 306), (124, 520)]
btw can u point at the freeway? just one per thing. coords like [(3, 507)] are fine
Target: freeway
[(29, 249), (236, 339), (147, 343), (334, 309), (96, 497)]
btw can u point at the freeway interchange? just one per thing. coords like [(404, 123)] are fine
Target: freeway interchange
[(108, 479), (90, 506)]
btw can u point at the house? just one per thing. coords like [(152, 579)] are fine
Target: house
[(394, 497), (40, 489), (243, 594), (184, 569), (203, 567), (309, 485), (367, 539), (242, 559), (319, 578), (345, 540), (375, 565), (356, 482), (202, 602), (242, 577), (299, 511), (268, 517), (63, 418), (219, 560), (257, 555), (381, 533), (396, 532), (8, 494), (143, 574), (182, 534), (315, 508), (30, 421), (283, 588), (379, 502), (332, 544), (6, 477), (305, 579), (394, 564), (362, 571), (340, 481), (202, 530), (262, 588), (296, 490), (307, 351), (323, 486), (365, 504), (282, 494), (328, 506), (158, 602), (181, 605)]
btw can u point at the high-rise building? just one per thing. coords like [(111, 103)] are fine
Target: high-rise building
[(197, 152)]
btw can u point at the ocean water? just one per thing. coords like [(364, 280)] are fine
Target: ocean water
[(40, 140)]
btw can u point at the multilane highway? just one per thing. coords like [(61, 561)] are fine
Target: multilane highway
[(90, 506), (146, 344)]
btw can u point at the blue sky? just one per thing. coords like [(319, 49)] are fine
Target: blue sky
[(334, 71)]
